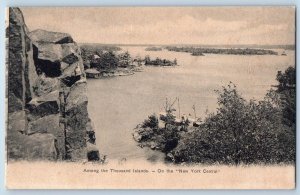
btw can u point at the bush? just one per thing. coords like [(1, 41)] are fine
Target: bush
[(166, 138), (124, 59), (151, 122), (287, 94), (239, 132), (170, 138), (108, 60)]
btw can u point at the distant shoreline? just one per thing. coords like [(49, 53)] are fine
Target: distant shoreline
[(252, 46)]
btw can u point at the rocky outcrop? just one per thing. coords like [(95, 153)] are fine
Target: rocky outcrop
[(20, 67), (47, 96), (50, 37)]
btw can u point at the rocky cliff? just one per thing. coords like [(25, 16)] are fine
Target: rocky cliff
[(47, 96)]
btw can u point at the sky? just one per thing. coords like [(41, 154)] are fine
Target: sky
[(168, 25)]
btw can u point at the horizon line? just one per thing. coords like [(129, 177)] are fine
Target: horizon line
[(290, 44)]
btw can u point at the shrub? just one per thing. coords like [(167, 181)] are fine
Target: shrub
[(108, 60), (287, 94), (239, 132), (170, 138), (151, 122), (124, 59)]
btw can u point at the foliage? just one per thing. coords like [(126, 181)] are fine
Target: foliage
[(240, 132), (151, 122), (88, 51), (287, 94), (228, 51), (166, 138), (159, 62), (170, 138), (147, 59), (124, 59), (107, 60), (138, 59)]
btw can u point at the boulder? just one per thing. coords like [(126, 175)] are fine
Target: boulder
[(170, 157), (63, 65), (34, 147), (71, 80), (70, 59), (42, 109), (153, 145), (50, 125), (44, 105), (70, 70), (44, 85), (137, 137), (44, 36), (76, 120), (77, 96), (41, 146), (90, 131), (93, 155), (142, 134), (17, 122), (92, 152), (46, 124), (51, 59), (91, 137), (48, 51), (71, 49), (51, 96)]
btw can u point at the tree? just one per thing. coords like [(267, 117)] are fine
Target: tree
[(108, 60), (230, 119), (286, 89), (170, 138), (139, 60), (151, 122), (124, 59), (147, 60), (240, 131)]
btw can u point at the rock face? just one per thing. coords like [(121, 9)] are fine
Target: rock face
[(47, 96), (19, 70), (50, 37)]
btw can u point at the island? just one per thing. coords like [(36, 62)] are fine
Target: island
[(153, 49), (200, 51)]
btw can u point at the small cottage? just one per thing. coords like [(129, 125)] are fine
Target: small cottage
[(92, 73)]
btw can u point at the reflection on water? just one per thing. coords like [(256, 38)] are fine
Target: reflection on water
[(117, 105)]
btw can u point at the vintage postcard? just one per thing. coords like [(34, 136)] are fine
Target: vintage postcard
[(151, 97)]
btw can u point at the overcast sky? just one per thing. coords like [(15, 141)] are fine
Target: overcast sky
[(189, 25)]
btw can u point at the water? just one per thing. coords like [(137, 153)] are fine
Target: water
[(117, 105)]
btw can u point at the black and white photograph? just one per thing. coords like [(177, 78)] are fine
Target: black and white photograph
[(151, 97)]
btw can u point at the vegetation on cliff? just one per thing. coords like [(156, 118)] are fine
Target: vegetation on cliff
[(239, 132)]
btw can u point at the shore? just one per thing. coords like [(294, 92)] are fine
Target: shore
[(119, 72)]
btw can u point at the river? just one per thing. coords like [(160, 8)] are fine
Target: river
[(117, 105)]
